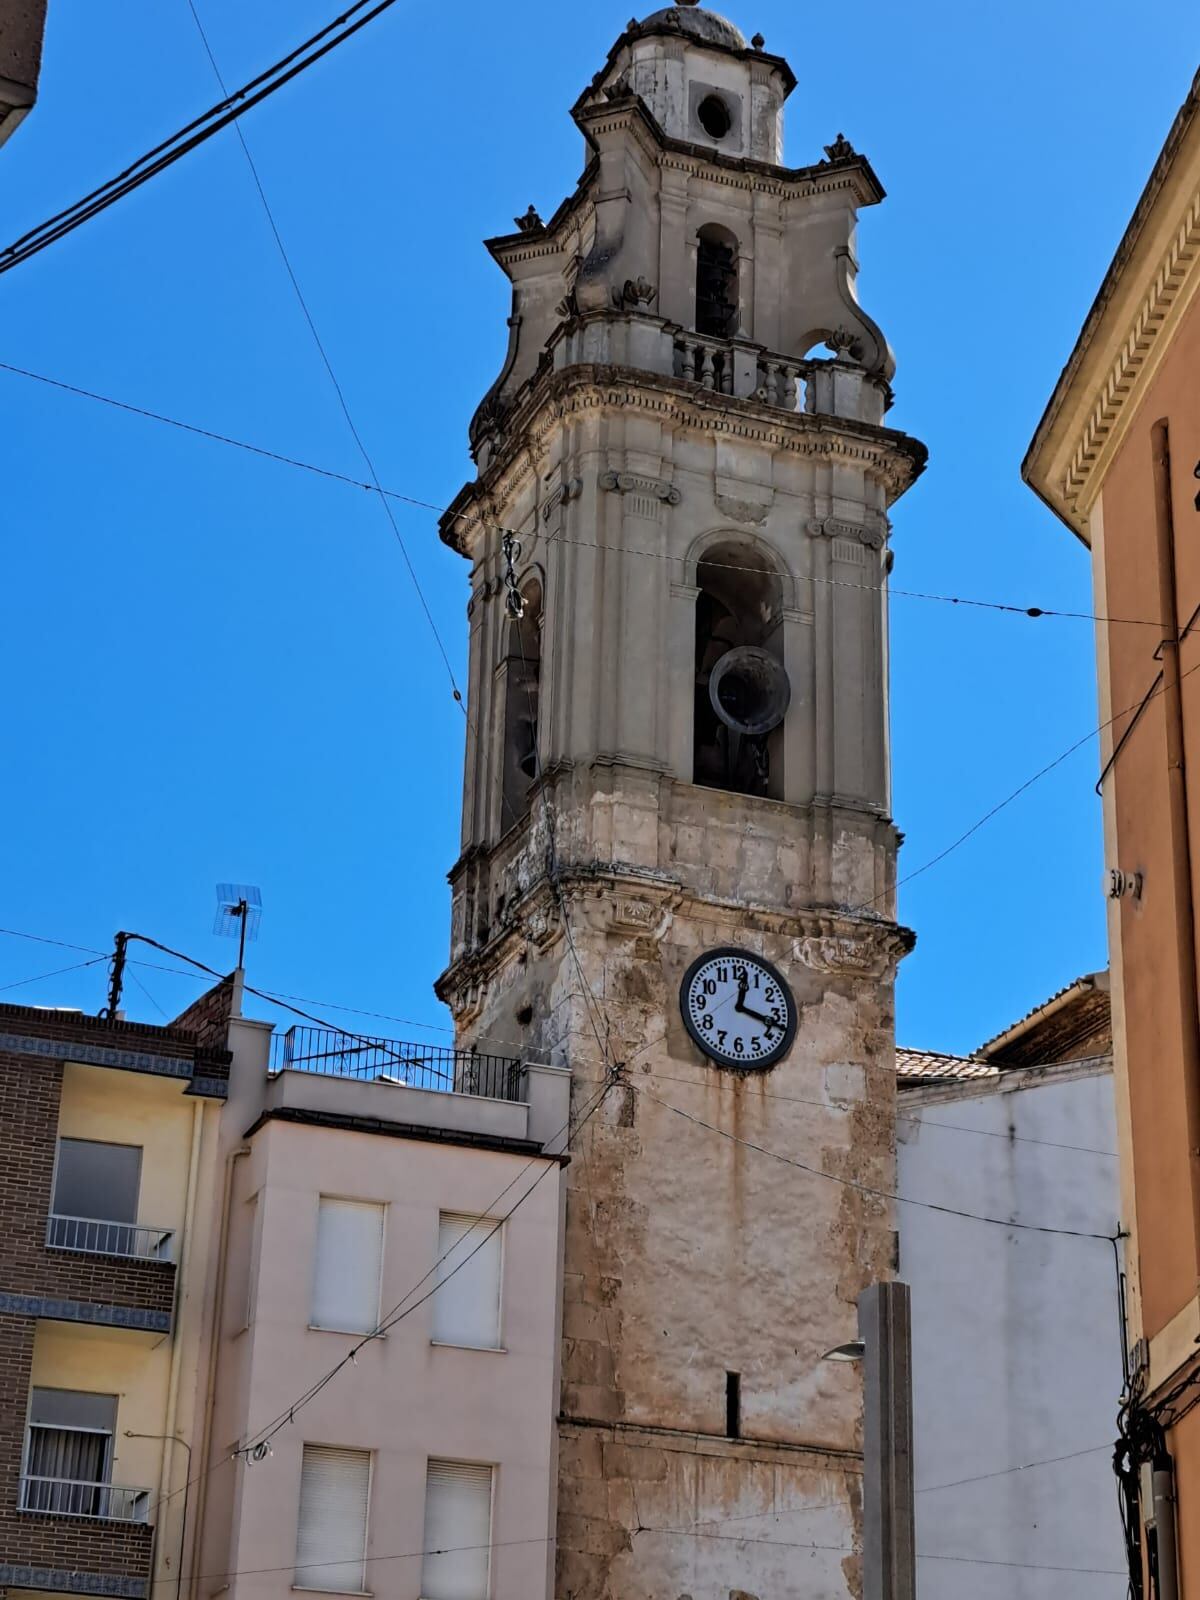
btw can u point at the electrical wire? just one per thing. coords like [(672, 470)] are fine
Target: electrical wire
[(866, 1188), (909, 1116), (75, 966), (328, 365), (194, 133), (282, 459)]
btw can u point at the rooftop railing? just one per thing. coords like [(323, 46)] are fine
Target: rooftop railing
[(391, 1061), (67, 1497), (94, 1237)]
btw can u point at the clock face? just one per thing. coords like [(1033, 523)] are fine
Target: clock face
[(738, 1009)]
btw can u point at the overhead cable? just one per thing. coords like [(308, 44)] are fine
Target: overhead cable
[(866, 1188), (328, 365), (194, 133), (283, 459)]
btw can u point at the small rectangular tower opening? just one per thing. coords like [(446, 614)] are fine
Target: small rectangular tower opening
[(733, 1405)]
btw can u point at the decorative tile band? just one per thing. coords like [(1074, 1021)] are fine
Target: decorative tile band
[(96, 1055), (212, 1088), (38, 1305), (66, 1581)]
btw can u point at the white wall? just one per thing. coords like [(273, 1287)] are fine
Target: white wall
[(1016, 1335)]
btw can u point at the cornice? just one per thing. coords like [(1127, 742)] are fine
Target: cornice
[(1152, 278), (894, 457)]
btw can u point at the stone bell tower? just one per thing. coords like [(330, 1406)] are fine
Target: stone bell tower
[(680, 746)]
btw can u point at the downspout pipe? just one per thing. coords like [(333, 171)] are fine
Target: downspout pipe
[(215, 1330), (1177, 799)]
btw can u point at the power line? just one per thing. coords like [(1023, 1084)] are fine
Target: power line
[(866, 1188), (57, 972), (194, 133), (906, 1116), (328, 365), (283, 459)]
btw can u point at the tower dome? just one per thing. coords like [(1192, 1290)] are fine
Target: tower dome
[(704, 26)]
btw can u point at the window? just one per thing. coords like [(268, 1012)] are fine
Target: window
[(458, 1531), (345, 1291), (331, 1531), (523, 665), (68, 1454), (466, 1307), (713, 115), (740, 604), (97, 1180), (716, 282)]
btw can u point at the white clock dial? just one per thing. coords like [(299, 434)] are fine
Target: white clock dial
[(738, 1008)]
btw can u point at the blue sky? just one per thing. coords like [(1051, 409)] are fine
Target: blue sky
[(216, 666)]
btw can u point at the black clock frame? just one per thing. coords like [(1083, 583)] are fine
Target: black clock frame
[(777, 1053)]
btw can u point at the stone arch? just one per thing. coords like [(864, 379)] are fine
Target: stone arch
[(760, 553)]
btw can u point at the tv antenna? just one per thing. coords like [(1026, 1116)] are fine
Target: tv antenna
[(239, 912)]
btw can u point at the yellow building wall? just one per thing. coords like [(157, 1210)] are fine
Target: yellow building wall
[(134, 1366), (131, 1108)]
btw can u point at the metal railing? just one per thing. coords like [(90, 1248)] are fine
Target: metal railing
[(412, 1066), (66, 1497), (95, 1237)]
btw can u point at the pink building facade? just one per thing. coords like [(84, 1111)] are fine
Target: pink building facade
[(364, 1193)]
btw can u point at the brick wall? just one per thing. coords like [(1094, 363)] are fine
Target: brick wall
[(207, 1019), (65, 1549)]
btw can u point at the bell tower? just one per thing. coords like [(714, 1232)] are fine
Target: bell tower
[(678, 863)]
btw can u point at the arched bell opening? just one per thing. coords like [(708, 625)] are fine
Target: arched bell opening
[(741, 693), (717, 299), (522, 684)]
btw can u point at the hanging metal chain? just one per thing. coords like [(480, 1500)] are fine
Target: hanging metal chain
[(514, 602)]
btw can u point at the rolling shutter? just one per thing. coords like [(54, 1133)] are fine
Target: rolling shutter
[(466, 1307), (345, 1293), (458, 1531), (331, 1533)]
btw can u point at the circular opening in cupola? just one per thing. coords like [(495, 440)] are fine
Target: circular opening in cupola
[(714, 116)]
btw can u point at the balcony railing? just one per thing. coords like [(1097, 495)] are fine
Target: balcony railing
[(66, 1497), (412, 1066), (94, 1237), (714, 364)]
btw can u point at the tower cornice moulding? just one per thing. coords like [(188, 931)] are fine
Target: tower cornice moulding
[(892, 457)]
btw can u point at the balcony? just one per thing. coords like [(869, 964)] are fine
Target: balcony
[(738, 369), (391, 1061), (67, 1497), (91, 1236)]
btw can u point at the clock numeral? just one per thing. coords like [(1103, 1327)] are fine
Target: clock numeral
[(706, 1022), (710, 986), (722, 1035), (722, 974), (738, 1045)]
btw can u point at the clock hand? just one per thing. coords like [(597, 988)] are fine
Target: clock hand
[(757, 1015)]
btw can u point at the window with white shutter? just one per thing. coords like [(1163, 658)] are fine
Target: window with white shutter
[(345, 1291), (331, 1531), (458, 1531), (466, 1307)]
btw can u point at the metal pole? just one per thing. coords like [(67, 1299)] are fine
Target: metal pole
[(1177, 802), (889, 1545), (116, 977)]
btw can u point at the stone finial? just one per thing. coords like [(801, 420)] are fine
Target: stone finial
[(530, 222), (757, 42), (841, 149)]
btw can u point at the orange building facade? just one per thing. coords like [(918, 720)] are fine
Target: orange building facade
[(1117, 457)]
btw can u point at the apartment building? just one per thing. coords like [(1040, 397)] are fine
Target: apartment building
[(372, 1185), (108, 1146), (1116, 456)]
